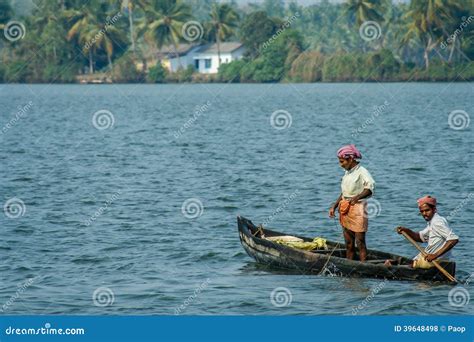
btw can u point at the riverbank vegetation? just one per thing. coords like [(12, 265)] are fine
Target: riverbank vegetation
[(356, 40)]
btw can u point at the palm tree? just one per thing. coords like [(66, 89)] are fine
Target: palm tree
[(452, 15), (129, 6), (47, 22), (165, 19), (92, 33), (84, 31), (367, 10), (224, 21), (364, 10), (427, 20)]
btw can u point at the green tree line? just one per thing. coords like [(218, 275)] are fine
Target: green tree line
[(356, 40)]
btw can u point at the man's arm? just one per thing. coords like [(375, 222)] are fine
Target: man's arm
[(334, 206), (364, 194), (447, 246), (414, 235)]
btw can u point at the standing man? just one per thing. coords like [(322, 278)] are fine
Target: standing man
[(357, 185), (441, 239)]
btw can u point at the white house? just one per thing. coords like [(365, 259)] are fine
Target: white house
[(174, 59), (202, 57), (206, 58)]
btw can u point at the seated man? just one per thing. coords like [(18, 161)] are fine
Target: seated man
[(437, 233)]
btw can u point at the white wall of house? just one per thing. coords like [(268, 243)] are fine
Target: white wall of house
[(204, 63), (186, 60), (173, 63), (207, 63)]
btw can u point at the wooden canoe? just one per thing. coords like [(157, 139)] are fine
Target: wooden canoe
[(330, 261)]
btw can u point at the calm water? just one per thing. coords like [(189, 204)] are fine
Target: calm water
[(102, 215)]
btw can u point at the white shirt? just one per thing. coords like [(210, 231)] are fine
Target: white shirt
[(437, 233), (356, 180)]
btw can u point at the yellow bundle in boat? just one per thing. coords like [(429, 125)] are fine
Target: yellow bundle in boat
[(317, 243)]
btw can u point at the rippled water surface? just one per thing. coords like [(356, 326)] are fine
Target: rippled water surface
[(103, 207)]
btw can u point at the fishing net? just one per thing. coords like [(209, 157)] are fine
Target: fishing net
[(292, 241)]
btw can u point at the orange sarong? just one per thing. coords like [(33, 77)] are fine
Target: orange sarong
[(353, 217)]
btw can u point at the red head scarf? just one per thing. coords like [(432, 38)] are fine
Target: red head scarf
[(349, 151), (427, 200)]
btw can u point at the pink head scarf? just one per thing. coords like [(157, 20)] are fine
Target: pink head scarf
[(349, 151), (427, 200)]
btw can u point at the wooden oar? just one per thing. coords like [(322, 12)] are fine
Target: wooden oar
[(424, 254)]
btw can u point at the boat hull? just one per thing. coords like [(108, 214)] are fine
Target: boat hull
[(331, 261)]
